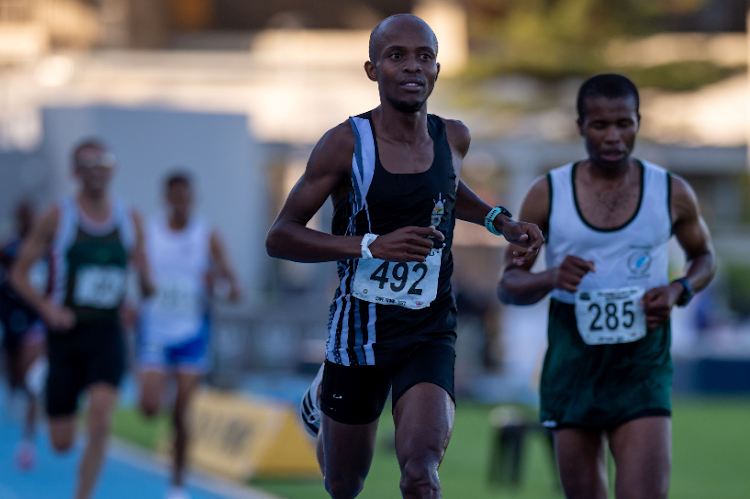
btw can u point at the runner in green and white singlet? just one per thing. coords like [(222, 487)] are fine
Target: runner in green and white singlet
[(607, 373), (92, 240)]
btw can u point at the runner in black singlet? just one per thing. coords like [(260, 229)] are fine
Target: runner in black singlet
[(23, 333), (392, 175)]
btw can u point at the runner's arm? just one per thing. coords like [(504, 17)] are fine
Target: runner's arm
[(693, 235), (518, 285), (34, 247), (138, 257), (224, 267), (694, 238), (329, 171), (471, 208)]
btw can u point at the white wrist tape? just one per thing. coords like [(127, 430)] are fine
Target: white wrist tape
[(367, 240)]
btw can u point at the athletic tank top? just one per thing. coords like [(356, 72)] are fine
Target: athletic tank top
[(89, 264), (603, 366), (634, 254), (365, 333), (179, 262)]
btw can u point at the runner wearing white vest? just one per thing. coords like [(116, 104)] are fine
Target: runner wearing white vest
[(607, 374), (185, 256), (174, 322)]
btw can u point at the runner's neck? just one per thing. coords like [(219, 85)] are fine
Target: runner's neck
[(178, 223), (96, 208), (595, 173), (395, 126)]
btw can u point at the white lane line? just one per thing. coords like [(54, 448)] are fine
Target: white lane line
[(153, 463)]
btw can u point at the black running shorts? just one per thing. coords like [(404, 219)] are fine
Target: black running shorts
[(78, 360), (357, 394)]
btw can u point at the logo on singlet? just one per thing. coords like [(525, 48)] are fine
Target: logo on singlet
[(639, 262), (438, 211)]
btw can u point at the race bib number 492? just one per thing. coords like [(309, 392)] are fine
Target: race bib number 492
[(608, 316), (99, 286), (405, 284)]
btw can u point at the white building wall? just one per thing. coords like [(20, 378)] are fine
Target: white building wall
[(226, 162)]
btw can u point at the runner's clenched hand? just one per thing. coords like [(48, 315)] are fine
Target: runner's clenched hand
[(658, 303), (571, 271), (407, 244), (57, 318), (525, 235)]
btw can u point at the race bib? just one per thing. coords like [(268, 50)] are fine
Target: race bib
[(99, 286), (405, 284), (178, 296), (608, 316)]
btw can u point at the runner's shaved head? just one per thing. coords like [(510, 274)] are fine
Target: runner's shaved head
[(377, 36)]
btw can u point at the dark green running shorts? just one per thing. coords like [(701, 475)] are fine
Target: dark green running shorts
[(602, 386)]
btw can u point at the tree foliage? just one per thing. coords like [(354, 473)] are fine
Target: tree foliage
[(553, 39)]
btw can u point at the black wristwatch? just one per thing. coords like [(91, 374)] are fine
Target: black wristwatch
[(687, 294)]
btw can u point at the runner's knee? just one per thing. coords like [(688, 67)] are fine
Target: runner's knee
[(99, 425), (419, 478), (62, 442), (343, 486), (149, 406)]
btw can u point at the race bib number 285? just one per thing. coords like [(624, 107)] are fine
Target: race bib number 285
[(406, 284), (607, 316)]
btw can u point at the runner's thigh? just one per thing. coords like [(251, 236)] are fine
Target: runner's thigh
[(351, 401), (642, 449), (424, 417), (152, 390), (348, 450), (582, 462)]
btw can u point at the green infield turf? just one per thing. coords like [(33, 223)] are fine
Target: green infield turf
[(711, 456)]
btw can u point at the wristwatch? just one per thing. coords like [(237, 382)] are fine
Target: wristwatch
[(490, 219), (367, 240), (687, 294)]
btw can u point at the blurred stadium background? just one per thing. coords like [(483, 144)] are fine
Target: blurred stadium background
[(237, 92)]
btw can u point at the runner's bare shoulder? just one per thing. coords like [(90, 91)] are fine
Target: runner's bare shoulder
[(46, 224), (333, 153), (458, 135)]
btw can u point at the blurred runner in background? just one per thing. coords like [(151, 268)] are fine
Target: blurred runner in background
[(23, 332), (92, 239), (607, 374), (186, 257)]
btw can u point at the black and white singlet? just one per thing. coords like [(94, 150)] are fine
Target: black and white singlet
[(404, 303)]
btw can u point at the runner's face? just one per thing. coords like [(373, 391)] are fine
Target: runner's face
[(406, 68), (180, 200), (94, 168), (609, 129)]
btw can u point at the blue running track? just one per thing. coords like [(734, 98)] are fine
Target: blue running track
[(127, 473)]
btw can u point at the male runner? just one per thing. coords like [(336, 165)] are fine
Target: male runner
[(607, 373), (392, 175), (23, 331), (185, 255), (92, 238)]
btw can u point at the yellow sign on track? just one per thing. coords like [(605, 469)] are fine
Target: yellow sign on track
[(239, 437)]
